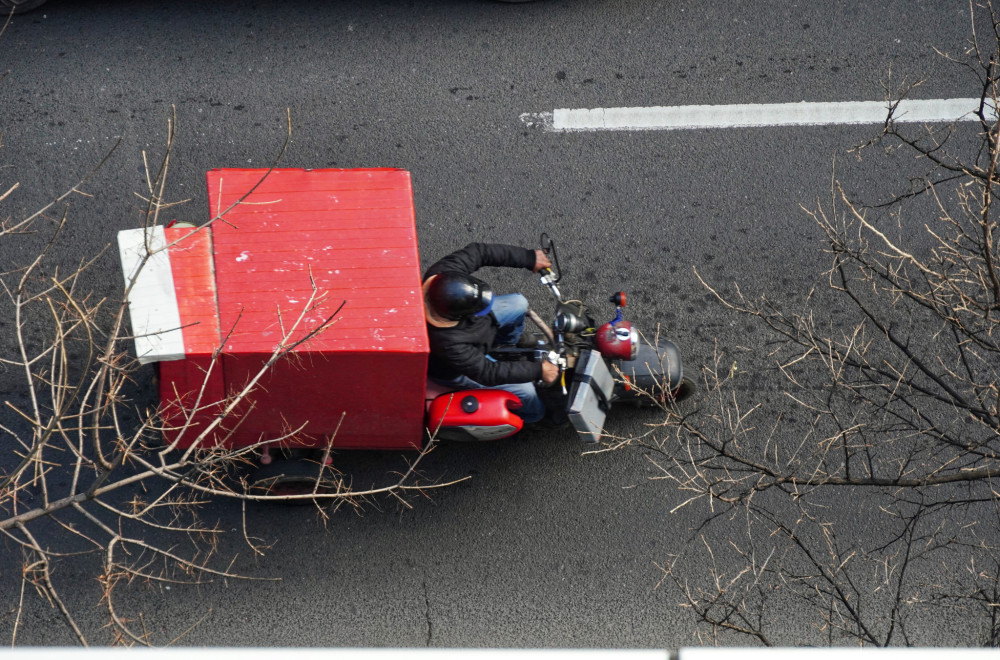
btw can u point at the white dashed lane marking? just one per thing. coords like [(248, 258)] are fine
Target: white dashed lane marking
[(667, 118)]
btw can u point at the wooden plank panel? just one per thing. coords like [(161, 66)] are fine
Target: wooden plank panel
[(366, 254), (194, 281)]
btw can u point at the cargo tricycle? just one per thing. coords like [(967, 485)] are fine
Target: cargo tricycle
[(292, 322)]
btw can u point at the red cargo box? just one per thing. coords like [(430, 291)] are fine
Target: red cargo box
[(290, 252)]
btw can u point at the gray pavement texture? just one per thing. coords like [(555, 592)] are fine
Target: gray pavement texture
[(543, 546)]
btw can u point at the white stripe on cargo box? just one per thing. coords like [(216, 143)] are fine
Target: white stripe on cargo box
[(152, 302)]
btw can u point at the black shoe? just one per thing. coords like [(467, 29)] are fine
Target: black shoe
[(548, 423), (555, 418)]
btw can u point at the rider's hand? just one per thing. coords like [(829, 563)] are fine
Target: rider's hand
[(541, 261), (550, 372)]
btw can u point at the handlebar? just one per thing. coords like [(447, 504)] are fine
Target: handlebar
[(559, 360), (549, 248), (549, 279)]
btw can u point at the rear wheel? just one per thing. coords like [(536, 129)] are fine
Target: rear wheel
[(290, 477), (156, 422), (155, 380)]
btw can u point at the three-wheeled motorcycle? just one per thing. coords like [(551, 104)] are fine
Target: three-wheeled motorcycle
[(292, 321)]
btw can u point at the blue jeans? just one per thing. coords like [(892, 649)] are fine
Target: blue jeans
[(509, 311)]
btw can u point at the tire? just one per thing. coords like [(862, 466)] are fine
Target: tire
[(657, 398), (686, 389), (156, 439), (653, 400), (19, 6), (154, 381), (286, 477)]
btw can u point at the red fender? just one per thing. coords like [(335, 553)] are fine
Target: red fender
[(474, 415)]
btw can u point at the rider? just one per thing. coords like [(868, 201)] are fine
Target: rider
[(465, 320)]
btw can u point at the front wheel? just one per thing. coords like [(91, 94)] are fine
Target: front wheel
[(654, 377), (686, 389)]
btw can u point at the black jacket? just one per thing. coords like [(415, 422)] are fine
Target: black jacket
[(461, 350)]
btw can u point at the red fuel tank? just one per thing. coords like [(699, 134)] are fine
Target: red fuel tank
[(474, 415)]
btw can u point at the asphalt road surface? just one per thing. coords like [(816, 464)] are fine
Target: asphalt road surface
[(544, 546)]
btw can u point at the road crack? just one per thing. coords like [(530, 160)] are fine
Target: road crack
[(429, 638)]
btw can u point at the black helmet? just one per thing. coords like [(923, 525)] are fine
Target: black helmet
[(454, 296)]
